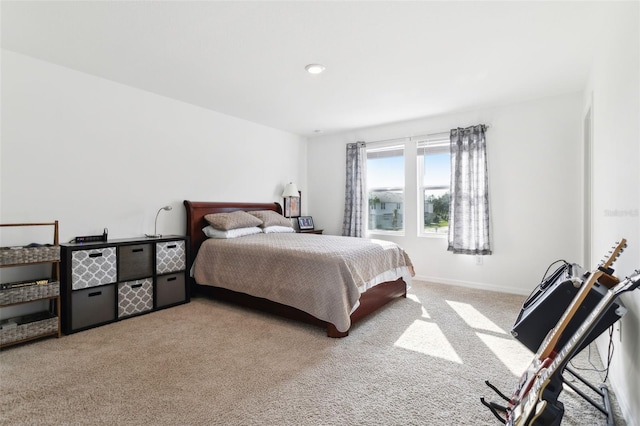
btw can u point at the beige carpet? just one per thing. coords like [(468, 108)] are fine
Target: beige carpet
[(420, 361)]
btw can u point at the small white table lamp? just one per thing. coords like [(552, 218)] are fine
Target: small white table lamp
[(155, 227)]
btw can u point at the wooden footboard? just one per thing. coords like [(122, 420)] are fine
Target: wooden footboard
[(376, 297), (370, 301)]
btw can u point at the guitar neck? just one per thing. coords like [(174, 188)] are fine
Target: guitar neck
[(551, 341), (630, 283), (577, 337)]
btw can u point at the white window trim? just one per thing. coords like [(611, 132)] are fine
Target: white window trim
[(436, 140), (388, 145)]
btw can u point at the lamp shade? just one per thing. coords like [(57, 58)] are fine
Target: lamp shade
[(290, 191)]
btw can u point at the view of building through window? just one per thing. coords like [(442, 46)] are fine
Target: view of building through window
[(385, 184), (435, 159)]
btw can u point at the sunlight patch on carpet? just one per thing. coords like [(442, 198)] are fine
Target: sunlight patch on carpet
[(413, 297), (510, 352), (427, 338), (425, 314), (474, 318)]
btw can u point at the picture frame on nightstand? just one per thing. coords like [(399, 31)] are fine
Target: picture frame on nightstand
[(305, 223)]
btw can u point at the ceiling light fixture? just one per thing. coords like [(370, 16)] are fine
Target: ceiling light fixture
[(315, 68)]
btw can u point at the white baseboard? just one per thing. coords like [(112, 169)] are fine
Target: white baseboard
[(471, 284)]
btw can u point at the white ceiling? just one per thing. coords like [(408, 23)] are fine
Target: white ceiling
[(386, 61)]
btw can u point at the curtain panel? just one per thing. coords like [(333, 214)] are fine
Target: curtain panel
[(355, 191), (469, 205)]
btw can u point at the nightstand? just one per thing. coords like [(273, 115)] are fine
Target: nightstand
[(312, 231)]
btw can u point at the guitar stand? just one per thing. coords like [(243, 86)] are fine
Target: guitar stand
[(496, 409), (605, 408)]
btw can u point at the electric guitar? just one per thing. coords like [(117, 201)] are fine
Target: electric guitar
[(533, 407), (603, 270), (547, 350)]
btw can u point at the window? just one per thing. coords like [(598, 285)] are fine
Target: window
[(434, 176), (386, 185), (385, 189)]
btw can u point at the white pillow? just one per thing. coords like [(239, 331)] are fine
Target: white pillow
[(278, 229), (212, 232)]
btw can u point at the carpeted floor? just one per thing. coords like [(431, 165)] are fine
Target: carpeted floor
[(421, 360)]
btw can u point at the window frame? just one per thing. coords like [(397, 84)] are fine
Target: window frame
[(396, 144), (434, 143)]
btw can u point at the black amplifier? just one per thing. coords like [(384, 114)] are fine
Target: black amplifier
[(549, 301)]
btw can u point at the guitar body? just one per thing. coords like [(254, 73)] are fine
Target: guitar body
[(534, 408), (527, 380), (547, 414), (541, 407)]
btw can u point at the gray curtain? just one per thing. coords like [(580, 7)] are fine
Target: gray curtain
[(356, 190), (469, 207)]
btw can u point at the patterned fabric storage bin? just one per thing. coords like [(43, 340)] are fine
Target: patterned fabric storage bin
[(93, 267), (170, 257), (135, 297)]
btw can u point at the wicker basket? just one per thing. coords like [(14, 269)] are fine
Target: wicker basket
[(28, 293), (29, 330), (16, 256)]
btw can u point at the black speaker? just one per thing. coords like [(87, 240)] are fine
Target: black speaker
[(549, 301)]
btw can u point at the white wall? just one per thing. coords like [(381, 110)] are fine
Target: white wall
[(535, 156), (615, 92), (93, 153), (535, 191)]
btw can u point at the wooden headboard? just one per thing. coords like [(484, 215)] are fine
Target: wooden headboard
[(196, 211)]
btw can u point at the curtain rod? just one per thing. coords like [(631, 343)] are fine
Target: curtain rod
[(486, 126)]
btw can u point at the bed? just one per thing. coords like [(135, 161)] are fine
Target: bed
[(314, 292)]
